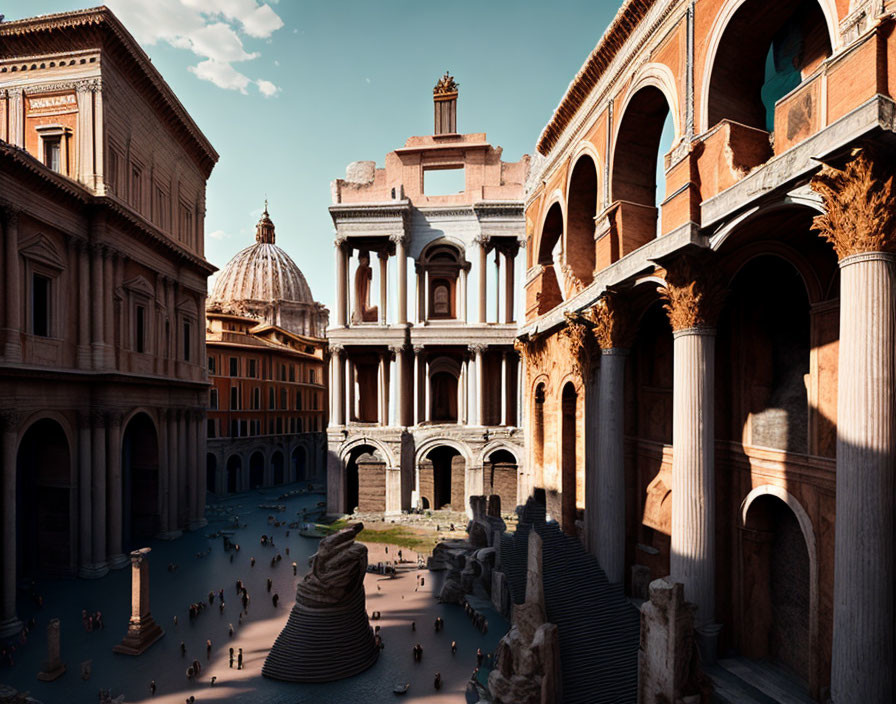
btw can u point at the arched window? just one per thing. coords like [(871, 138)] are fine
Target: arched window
[(550, 257), (442, 263), (581, 211)]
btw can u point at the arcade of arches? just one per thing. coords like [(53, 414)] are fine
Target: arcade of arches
[(246, 466), (709, 326)]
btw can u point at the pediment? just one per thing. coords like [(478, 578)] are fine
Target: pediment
[(40, 248), (139, 285)]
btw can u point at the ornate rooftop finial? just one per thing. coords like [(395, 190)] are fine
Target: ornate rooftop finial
[(446, 84), (264, 230)]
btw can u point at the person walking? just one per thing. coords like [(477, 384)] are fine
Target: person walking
[(454, 647), (479, 657), (239, 660), (208, 649), (152, 688), (437, 683), (275, 599), (231, 658)]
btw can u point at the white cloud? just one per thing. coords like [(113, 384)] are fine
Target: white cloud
[(268, 89), (219, 235), (210, 29)]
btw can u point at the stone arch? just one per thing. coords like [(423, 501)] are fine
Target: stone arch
[(808, 534), (501, 468), (299, 462), (430, 444), (539, 398), (44, 485), (803, 268), (550, 236), (659, 76), (569, 406), (257, 464), (581, 208), (495, 445), (348, 446), (722, 23), (441, 476)]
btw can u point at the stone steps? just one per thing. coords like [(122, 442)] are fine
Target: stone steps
[(599, 628)]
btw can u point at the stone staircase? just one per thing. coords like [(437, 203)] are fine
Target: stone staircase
[(599, 627)]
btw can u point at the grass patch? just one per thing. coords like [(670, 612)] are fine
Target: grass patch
[(401, 536)]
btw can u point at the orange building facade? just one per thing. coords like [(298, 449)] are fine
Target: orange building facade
[(709, 326)]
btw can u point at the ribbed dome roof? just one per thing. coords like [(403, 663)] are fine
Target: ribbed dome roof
[(262, 272)]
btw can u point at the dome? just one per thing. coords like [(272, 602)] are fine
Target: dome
[(262, 272)]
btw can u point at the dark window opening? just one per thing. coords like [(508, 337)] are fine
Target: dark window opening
[(141, 329), (187, 335), (40, 305)]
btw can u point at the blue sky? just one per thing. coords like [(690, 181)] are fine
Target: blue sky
[(290, 92)]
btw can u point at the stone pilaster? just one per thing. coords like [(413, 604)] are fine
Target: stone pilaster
[(117, 558), (860, 223), (694, 297), (98, 480), (12, 349), (85, 502), (605, 517)]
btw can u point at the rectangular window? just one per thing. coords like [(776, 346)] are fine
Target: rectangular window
[(40, 305), (298, 400), (311, 376), (234, 429), (292, 372), (234, 366), (271, 398), (140, 329), (283, 399), (211, 428), (234, 398), (188, 333), (444, 182), (256, 398), (282, 372), (161, 208), (137, 188), (211, 365), (213, 399), (244, 430), (53, 153), (279, 426), (253, 368)]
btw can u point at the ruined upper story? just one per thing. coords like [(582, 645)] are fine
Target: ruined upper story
[(485, 176), (79, 94), (756, 92)]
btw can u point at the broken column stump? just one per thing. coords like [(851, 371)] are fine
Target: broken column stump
[(53, 667), (143, 631)]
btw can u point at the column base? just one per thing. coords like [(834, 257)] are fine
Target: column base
[(708, 642), (140, 636), (197, 523), (93, 571), (51, 671), (170, 534), (11, 627), (116, 562)]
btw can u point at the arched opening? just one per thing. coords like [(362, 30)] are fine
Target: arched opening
[(43, 500), (364, 392), (538, 435), (550, 257), (365, 478), (500, 478), (764, 347), (140, 513), (775, 588), (639, 165), (277, 465), (211, 471), (234, 469), (443, 397), (299, 468), (442, 264), (442, 475), (256, 470), (581, 211), (568, 463), (766, 50)]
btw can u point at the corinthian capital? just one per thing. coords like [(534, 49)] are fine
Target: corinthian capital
[(693, 293), (860, 205), (612, 322)]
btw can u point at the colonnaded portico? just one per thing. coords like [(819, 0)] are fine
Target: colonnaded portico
[(431, 398)]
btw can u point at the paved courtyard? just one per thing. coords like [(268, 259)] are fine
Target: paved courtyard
[(171, 593)]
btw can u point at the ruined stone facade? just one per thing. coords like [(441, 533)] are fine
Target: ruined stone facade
[(102, 380), (429, 399), (266, 362), (708, 361)]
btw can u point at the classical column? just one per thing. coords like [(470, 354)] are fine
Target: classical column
[(183, 470), (382, 405), (693, 299), (83, 295), (16, 117), (427, 390), (479, 386), (497, 285), (163, 473), (418, 385), (341, 281), (384, 277), (191, 469), (427, 292), (401, 254), (338, 392), (143, 631), (173, 527), (461, 393), (113, 502), (462, 293), (84, 173), (605, 518), (13, 347), (503, 388), (98, 445), (351, 413), (96, 302), (509, 258), (419, 312), (108, 307), (85, 503), (10, 624), (482, 243), (201, 478), (401, 386), (859, 222)]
